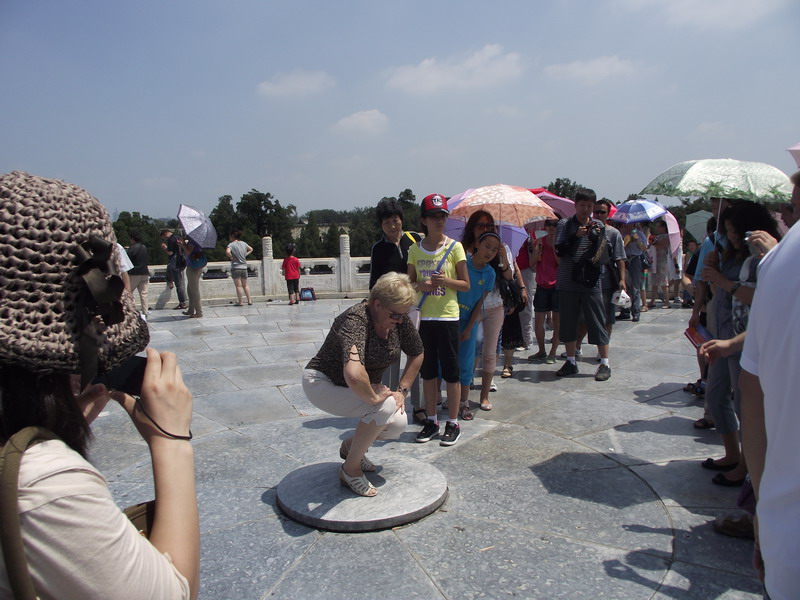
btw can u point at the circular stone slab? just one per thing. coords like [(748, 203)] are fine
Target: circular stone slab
[(408, 490)]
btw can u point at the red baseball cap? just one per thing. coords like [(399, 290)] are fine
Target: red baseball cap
[(435, 203)]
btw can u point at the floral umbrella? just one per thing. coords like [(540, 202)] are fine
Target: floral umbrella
[(197, 226), (511, 235), (724, 178), (508, 204), (638, 211)]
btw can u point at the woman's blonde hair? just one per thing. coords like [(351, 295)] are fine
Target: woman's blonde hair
[(394, 289)]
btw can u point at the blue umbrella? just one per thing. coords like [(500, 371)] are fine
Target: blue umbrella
[(638, 211)]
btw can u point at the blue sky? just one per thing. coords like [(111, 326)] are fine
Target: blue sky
[(324, 104)]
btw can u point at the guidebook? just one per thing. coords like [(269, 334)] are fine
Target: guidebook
[(697, 335)]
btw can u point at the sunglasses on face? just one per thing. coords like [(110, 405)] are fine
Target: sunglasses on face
[(395, 316), (601, 212)]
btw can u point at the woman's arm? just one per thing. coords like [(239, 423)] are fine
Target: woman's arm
[(357, 379), (521, 282), (168, 403), (413, 364)]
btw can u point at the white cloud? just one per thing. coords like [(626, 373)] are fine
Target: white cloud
[(593, 71), (368, 122), (727, 15), (295, 84), (487, 67)]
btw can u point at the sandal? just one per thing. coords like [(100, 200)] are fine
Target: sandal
[(507, 372), (704, 423), (360, 485), (466, 413), (416, 415), (366, 464)]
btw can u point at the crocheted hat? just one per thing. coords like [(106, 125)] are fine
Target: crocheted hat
[(61, 303)]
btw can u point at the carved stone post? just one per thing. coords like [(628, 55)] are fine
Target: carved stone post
[(267, 270), (346, 276)]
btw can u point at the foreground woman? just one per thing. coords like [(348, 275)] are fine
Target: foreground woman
[(344, 377), (64, 313)]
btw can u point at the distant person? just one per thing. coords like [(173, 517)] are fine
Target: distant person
[(125, 265), (237, 252), (635, 248), (196, 261), (545, 300), (291, 272), (139, 275), (390, 255), (175, 266), (75, 541), (343, 379)]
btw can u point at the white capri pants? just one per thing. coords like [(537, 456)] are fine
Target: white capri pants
[(342, 402)]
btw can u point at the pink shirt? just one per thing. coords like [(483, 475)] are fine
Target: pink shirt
[(547, 267)]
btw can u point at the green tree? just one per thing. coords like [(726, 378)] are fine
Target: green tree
[(148, 228), (364, 231), (564, 187), (309, 244), (330, 242)]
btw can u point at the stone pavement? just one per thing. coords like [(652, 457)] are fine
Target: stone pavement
[(569, 488)]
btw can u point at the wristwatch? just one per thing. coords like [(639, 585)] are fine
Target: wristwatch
[(404, 391)]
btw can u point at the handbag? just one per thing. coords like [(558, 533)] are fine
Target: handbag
[(511, 293), (307, 293), (646, 262)]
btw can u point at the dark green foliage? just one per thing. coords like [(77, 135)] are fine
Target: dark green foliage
[(564, 187), (148, 228), (309, 244)]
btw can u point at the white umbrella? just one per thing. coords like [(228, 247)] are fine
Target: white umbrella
[(795, 152), (722, 177), (696, 224), (197, 226)]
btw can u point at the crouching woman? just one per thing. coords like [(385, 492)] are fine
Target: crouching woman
[(344, 378)]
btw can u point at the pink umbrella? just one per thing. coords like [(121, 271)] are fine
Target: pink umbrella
[(795, 152), (563, 206), (508, 204), (674, 231)]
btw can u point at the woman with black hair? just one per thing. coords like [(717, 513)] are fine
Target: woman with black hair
[(733, 280), (65, 320)]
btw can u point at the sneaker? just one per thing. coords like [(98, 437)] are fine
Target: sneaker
[(568, 368), (578, 353), (429, 431), (635, 318), (452, 432), (493, 387), (538, 356), (603, 373), (550, 360)]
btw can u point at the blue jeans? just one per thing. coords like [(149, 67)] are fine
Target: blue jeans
[(175, 275), (634, 289)]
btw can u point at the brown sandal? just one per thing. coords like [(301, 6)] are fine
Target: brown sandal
[(466, 412)]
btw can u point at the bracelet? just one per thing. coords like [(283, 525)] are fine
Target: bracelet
[(404, 391), (164, 431), (522, 287)]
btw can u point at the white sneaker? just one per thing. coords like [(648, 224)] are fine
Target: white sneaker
[(493, 387)]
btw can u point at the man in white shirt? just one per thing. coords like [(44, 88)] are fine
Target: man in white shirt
[(771, 411)]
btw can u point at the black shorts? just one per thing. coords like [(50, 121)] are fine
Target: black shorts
[(293, 286), (545, 299), (440, 341), (590, 305)]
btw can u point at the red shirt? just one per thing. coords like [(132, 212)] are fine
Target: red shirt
[(547, 267), (523, 259), (291, 267)]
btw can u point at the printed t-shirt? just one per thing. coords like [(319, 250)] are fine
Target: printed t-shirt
[(442, 303), (480, 281)]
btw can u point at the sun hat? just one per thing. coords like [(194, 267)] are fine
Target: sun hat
[(62, 307), (434, 203)]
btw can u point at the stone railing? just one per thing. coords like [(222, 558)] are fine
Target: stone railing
[(332, 276)]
